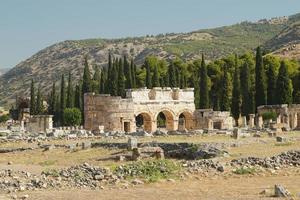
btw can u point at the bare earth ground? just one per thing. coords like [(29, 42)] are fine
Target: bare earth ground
[(225, 186)]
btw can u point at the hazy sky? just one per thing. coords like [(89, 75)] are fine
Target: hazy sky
[(27, 26)]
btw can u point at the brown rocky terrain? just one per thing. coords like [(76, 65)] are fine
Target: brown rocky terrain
[(48, 64)]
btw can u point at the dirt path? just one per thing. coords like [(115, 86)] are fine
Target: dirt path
[(237, 188)]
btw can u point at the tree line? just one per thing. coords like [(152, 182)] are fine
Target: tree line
[(235, 83)]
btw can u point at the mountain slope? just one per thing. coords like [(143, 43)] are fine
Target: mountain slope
[(48, 64)]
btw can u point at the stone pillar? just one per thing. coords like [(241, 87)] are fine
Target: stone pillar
[(293, 121), (244, 122), (251, 120), (175, 125), (210, 124), (260, 122), (278, 119)]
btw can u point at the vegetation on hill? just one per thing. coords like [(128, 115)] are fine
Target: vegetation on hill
[(217, 84), (64, 57)]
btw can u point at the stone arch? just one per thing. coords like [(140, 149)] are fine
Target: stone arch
[(147, 121), (185, 120), (170, 118)]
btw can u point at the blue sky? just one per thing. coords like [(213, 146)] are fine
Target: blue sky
[(27, 26)]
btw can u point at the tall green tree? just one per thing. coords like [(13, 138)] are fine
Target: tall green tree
[(155, 77), (236, 93), (78, 97), (70, 93), (114, 81), (271, 89), (260, 80), (121, 80), (148, 74), (62, 99), (109, 75), (32, 98), (172, 75), (204, 96), (52, 103), (284, 88), (102, 81), (246, 107), (225, 100), (86, 79), (96, 80), (39, 102), (127, 73), (133, 73)]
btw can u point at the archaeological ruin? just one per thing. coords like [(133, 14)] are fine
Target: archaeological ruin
[(287, 116), (143, 108)]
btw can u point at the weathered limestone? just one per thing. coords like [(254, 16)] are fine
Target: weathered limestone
[(288, 116), (251, 123), (209, 119), (132, 143), (120, 114), (40, 123)]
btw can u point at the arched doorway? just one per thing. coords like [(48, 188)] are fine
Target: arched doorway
[(185, 121), (165, 119), (143, 121)]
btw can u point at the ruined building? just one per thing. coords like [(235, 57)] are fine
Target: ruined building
[(287, 116), (144, 107)]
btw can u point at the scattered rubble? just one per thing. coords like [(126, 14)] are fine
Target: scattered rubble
[(290, 158)]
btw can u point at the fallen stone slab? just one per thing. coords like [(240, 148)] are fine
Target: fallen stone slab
[(280, 191)]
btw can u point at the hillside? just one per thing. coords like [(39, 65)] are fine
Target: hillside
[(287, 42), (48, 64)]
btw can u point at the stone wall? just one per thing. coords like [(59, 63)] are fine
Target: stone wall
[(209, 119), (39, 123), (117, 114)]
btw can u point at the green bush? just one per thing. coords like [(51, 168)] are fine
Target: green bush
[(4, 118), (243, 170), (151, 171), (72, 117), (269, 115)]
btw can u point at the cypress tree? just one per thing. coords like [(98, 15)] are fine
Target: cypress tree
[(102, 81), (96, 80), (236, 93), (78, 97), (70, 93), (283, 86), (148, 75), (32, 98), (121, 80), (109, 74), (127, 73), (155, 77), (204, 97), (62, 99), (114, 81), (246, 107), (39, 102), (271, 85), (260, 82), (86, 80), (225, 101), (133, 73), (172, 75), (51, 109)]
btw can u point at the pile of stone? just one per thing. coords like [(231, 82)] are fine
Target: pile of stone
[(290, 158), (202, 165), (80, 176)]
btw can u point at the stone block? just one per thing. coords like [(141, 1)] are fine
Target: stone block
[(132, 143)]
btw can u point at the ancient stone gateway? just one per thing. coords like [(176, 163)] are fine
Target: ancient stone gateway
[(146, 108)]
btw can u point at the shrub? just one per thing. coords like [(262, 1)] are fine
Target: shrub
[(72, 116), (244, 170), (269, 115), (4, 118), (151, 170)]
